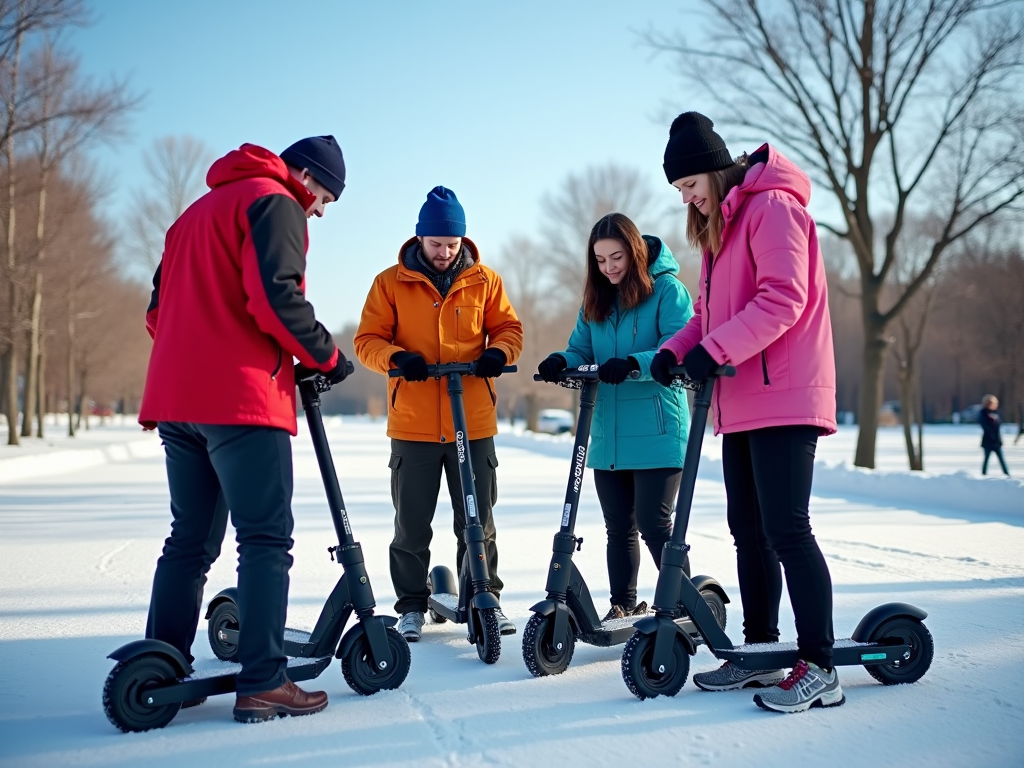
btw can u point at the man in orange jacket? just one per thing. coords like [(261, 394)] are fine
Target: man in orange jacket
[(439, 303)]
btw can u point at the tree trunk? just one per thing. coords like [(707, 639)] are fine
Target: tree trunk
[(12, 261), (71, 369), (532, 411), (41, 388), (873, 361), (11, 376), (32, 358)]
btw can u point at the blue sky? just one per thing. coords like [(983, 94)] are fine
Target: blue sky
[(498, 101)]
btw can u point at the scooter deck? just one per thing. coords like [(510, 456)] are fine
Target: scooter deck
[(618, 631), (447, 605), (845, 653), (221, 679), (296, 641)]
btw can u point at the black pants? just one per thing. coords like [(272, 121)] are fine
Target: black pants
[(635, 500), (768, 483), (211, 469), (998, 451), (415, 482)]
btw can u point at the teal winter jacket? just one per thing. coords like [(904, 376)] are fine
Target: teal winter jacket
[(638, 424)]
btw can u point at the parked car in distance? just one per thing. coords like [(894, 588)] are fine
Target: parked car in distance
[(555, 421)]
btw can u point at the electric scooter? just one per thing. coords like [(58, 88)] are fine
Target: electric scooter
[(469, 600), (152, 678), (568, 614), (891, 641)]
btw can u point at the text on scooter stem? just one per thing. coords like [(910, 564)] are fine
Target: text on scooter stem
[(577, 472)]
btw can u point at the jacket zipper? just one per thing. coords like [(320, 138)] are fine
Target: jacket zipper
[(494, 400), (394, 394), (659, 414), (707, 311), (277, 368), (764, 366)]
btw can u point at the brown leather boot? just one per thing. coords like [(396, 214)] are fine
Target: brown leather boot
[(289, 699)]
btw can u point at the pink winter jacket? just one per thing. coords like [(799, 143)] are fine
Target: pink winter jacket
[(763, 306)]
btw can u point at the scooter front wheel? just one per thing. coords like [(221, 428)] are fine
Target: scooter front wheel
[(637, 667), (124, 693), (224, 616), (488, 639), (363, 676), (543, 653), (915, 662)]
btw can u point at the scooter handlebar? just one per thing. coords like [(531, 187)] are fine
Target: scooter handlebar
[(723, 370), (582, 373), (443, 369), (310, 374)]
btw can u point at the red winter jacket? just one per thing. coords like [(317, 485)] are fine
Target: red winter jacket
[(228, 312)]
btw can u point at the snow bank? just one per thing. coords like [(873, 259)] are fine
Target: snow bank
[(19, 468), (956, 490)]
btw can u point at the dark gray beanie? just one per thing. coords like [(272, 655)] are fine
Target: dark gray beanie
[(694, 147)]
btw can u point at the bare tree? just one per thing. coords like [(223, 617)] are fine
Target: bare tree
[(878, 100), (70, 115), (581, 199), (175, 177)]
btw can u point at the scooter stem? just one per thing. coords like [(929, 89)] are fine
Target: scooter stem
[(311, 405)]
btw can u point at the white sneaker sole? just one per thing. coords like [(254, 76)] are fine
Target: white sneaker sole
[(827, 699), (764, 680)]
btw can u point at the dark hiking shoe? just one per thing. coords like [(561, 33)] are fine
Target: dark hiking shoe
[(505, 625), (729, 677), (621, 612), (808, 685), (289, 699)]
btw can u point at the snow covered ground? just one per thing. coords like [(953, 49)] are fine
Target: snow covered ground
[(79, 537)]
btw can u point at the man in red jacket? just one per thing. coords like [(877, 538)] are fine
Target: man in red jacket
[(228, 314)]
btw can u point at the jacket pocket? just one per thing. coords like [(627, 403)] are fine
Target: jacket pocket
[(469, 325), (764, 367), (394, 394), (659, 415), (393, 465), (277, 367), (492, 462)]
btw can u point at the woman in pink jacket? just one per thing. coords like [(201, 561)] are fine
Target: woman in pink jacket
[(762, 307)]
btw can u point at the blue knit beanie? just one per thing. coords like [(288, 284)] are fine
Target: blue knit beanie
[(441, 215), (321, 156)]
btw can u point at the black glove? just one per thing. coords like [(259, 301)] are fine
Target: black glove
[(699, 363), (490, 363), (412, 366), (663, 361), (336, 375), (550, 367), (616, 369)]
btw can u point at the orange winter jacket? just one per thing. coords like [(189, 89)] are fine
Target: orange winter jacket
[(405, 312)]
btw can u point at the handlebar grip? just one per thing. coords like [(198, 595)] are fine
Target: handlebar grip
[(394, 373), (510, 369), (349, 368)]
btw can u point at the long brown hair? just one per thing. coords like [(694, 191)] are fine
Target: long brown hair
[(705, 232), (636, 286)]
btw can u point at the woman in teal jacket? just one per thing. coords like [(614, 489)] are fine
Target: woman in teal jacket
[(632, 304)]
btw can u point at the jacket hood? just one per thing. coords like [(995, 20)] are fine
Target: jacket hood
[(660, 260), (250, 161), (468, 244), (769, 170)]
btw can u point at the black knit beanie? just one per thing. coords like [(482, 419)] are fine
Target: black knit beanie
[(321, 156), (693, 147)]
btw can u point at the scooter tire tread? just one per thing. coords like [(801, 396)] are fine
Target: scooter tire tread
[(399, 647), (488, 643), (537, 625)]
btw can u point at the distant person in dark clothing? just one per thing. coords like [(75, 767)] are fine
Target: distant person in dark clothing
[(1020, 422), (991, 440)]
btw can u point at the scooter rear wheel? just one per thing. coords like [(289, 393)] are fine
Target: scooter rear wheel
[(916, 662), (124, 693), (638, 674), (364, 677), (488, 639), (716, 604), (224, 616), (543, 653)]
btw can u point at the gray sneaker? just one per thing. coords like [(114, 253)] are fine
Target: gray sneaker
[(729, 677), (505, 625), (808, 685), (410, 625)]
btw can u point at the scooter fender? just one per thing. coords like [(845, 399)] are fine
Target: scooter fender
[(484, 600), (561, 613), (158, 647), (231, 593), (707, 582), (357, 631), (880, 614)]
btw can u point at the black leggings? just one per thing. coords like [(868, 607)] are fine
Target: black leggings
[(768, 484), (635, 500)]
